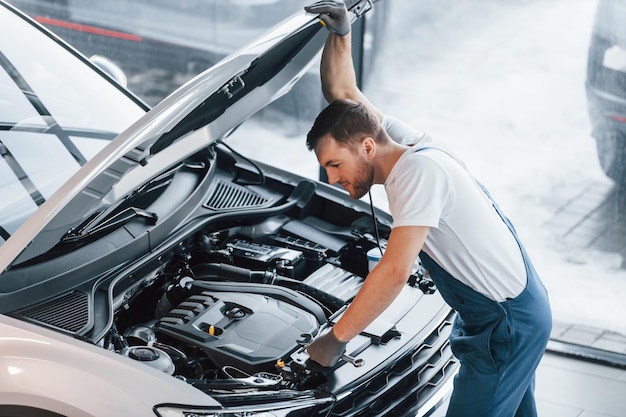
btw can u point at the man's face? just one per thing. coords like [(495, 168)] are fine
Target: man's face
[(347, 166)]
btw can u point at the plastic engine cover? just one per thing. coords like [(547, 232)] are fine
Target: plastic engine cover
[(247, 331)]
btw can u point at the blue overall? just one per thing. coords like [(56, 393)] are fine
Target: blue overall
[(498, 344)]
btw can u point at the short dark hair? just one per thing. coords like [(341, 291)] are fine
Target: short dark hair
[(347, 121)]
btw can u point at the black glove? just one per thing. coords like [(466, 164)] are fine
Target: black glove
[(327, 349), (333, 14)]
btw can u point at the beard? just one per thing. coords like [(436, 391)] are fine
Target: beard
[(364, 179)]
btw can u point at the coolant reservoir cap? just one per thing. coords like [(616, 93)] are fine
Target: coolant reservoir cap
[(374, 255), (144, 354), (151, 356)]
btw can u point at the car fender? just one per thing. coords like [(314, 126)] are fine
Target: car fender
[(44, 369)]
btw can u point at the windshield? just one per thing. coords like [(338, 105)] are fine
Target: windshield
[(51, 119)]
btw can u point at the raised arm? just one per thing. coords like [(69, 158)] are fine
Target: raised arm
[(337, 68)]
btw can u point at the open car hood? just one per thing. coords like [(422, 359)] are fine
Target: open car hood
[(204, 110)]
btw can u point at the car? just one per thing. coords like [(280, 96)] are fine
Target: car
[(148, 268), (606, 88)]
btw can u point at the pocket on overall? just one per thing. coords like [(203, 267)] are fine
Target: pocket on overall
[(482, 343)]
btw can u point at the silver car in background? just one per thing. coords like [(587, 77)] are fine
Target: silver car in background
[(606, 88)]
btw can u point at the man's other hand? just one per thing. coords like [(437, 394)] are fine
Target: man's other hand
[(333, 14)]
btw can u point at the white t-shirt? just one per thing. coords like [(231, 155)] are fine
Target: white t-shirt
[(467, 237)]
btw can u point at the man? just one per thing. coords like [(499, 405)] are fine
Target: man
[(442, 214)]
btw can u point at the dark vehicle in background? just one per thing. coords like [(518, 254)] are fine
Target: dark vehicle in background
[(160, 44), (606, 87), (147, 268)]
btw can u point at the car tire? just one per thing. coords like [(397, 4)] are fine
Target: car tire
[(611, 148)]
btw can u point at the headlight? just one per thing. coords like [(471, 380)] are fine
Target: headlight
[(615, 58), (308, 408)]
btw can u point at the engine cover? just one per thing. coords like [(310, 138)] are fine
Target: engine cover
[(247, 331)]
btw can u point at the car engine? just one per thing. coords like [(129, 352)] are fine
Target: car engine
[(231, 307)]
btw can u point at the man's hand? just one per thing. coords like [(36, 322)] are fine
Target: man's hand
[(326, 349), (333, 14)]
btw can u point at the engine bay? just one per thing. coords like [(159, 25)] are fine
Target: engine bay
[(232, 304), (231, 307), (222, 273)]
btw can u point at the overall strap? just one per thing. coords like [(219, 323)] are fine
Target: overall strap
[(479, 184)]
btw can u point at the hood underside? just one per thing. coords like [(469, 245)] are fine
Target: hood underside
[(201, 112)]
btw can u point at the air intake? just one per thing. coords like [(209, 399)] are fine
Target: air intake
[(229, 196), (69, 312)]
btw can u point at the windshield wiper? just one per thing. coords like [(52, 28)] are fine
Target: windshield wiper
[(110, 223), (41, 109)]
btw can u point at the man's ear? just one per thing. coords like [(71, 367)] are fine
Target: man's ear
[(369, 146)]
